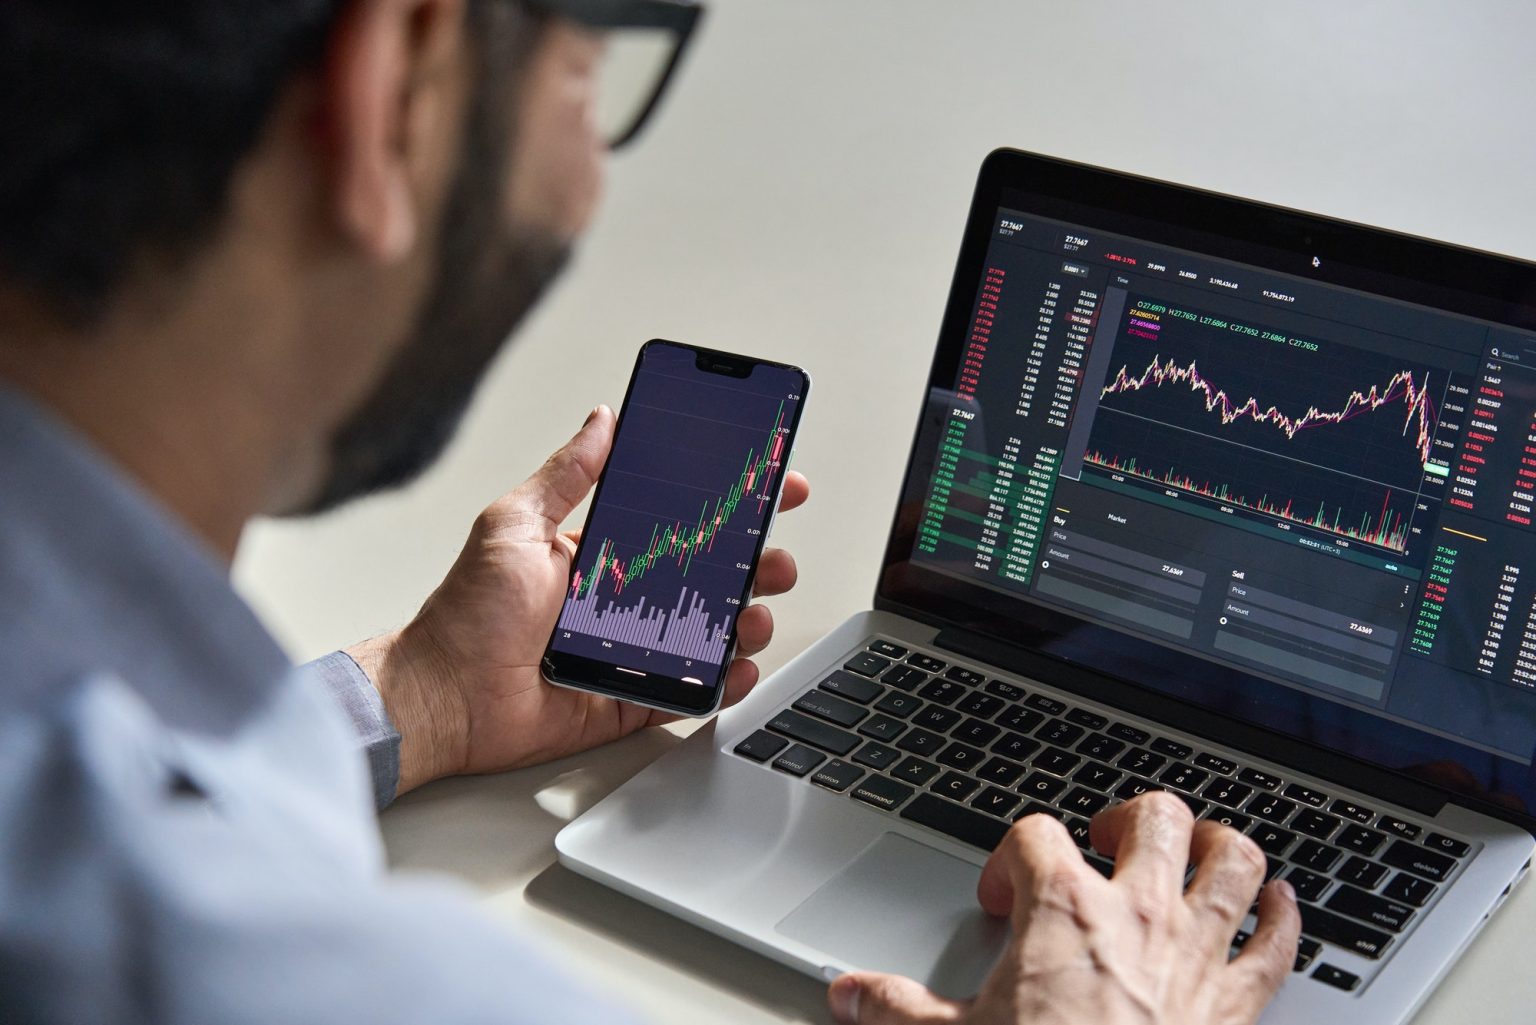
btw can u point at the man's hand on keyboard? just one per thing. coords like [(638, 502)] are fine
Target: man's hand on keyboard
[(462, 682), (1137, 948)]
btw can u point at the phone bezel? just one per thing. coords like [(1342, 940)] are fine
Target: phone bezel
[(670, 694)]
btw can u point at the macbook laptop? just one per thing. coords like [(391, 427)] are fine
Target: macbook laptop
[(1206, 496)]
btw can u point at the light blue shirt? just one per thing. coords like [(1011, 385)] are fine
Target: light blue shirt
[(187, 827)]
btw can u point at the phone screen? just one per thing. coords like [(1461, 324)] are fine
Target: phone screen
[(677, 525)]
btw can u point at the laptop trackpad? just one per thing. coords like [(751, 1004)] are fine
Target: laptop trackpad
[(907, 908)]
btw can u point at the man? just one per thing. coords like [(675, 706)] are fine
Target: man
[(253, 258)]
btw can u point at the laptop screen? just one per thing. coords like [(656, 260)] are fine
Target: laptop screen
[(1257, 469)]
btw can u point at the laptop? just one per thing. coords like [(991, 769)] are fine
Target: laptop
[(1207, 496)]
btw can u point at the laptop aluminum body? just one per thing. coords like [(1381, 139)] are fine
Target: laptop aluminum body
[(1046, 572)]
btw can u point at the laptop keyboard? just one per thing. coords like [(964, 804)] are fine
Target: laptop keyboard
[(948, 747)]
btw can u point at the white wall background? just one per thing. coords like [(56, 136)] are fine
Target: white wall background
[(802, 195)]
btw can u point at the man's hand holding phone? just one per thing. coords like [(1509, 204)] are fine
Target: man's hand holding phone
[(462, 681)]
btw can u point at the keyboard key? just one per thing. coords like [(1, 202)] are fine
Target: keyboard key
[(1227, 792), (1318, 857), (1172, 748), (1078, 830), (1060, 733), (881, 792), (1083, 717), (915, 771), (1019, 719), (982, 706), (969, 677), (1006, 691), (882, 727), (1184, 777), (1309, 947), (1103, 866), (1272, 839), (1096, 777), (962, 756), (941, 692), (827, 706), (1042, 787), (876, 755), (927, 663), (888, 649), (1036, 808), (1270, 808), (809, 731), (1306, 795), (1055, 760), (837, 775), (1256, 778), (1084, 802), (1356, 903), (1217, 764), (867, 664), (967, 826), (1230, 818), (974, 731), (1309, 885), (1343, 932), (854, 688), (799, 760), (1097, 745), (1015, 746), (1406, 830), (1352, 811), (1134, 787), (1338, 977), (1361, 872), (921, 742), (904, 678), (1141, 761), (1048, 705), (1419, 860), (1128, 733), (936, 717), (1272, 867), (955, 786), (994, 801), (761, 746), (1358, 838), (1409, 889), (1001, 772), (898, 704), (1445, 845), (1197, 807), (1318, 824)]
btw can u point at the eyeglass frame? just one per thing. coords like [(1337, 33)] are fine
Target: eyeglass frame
[(680, 16)]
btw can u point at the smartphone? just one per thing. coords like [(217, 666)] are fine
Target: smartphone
[(677, 527)]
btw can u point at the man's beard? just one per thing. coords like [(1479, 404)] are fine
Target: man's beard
[(488, 279)]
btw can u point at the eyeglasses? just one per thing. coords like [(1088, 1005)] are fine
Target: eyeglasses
[(646, 40)]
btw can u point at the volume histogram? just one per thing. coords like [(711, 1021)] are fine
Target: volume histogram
[(664, 563)]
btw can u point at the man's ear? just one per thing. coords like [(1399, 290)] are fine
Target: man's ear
[(394, 81)]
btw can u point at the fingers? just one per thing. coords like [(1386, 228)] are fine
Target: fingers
[(1036, 864), (869, 998), (1257, 973), (563, 481), (754, 629), (1229, 869), (740, 678), (776, 573), (796, 490), (1148, 837)]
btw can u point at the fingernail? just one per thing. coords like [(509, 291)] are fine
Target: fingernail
[(1286, 889), (844, 998), (592, 415)]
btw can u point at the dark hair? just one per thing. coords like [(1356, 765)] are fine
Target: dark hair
[(121, 124)]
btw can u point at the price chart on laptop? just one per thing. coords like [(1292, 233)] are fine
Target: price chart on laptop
[(689, 490)]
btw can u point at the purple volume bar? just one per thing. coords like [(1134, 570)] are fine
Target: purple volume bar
[(686, 631)]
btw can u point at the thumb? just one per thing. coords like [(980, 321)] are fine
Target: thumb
[(565, 478), (870, 998)]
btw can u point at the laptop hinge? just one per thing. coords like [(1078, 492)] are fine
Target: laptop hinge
[(1182, 715)]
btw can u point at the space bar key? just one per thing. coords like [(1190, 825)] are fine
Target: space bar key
[(961, 823)]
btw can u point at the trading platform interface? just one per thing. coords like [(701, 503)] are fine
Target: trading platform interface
[(1320, 487), (690, 487)]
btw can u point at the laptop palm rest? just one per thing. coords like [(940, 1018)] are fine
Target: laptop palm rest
[(904, 907)]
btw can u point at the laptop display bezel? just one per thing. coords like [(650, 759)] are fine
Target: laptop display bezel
[(1328, 250)]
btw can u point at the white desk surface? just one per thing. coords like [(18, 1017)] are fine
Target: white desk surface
[(801, 196)]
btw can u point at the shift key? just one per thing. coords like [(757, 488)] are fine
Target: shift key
[(1341, 932), (809, 731)]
